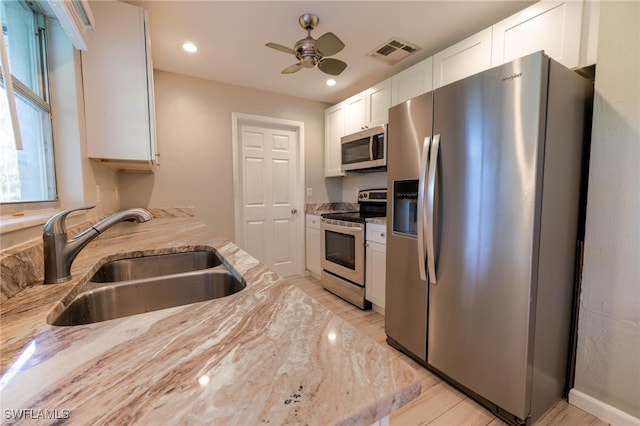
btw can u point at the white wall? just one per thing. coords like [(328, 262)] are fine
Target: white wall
[(79, 179), (194, 126), (357, 181), (608, 357)]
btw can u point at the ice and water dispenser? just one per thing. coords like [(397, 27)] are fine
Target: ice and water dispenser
[(405, 207)]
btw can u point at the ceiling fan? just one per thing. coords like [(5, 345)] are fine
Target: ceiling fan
[(311, 52)]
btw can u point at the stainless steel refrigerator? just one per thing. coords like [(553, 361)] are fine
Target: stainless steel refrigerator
[(486, 177)]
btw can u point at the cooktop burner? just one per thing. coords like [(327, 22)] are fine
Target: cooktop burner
[(352, 216)]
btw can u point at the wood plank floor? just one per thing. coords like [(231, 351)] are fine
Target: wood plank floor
[(439, 403)]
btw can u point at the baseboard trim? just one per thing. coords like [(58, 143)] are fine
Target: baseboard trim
[(601, 410)]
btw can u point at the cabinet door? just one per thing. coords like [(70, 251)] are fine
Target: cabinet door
[(377, 103), (375, 273), (463, 59), (412, 82), (115, 68), (554, 27), (313, 251), (334, 130), (354, 113)]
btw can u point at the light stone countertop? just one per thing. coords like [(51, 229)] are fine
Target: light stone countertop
[(269, 354), (379, 220)]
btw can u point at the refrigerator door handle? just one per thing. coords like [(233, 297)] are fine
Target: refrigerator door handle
[(421, 213), (431, 188)]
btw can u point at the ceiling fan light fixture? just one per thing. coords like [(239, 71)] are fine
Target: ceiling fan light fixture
[(190, 47), (331, 82), (308, 62), (311, 52)]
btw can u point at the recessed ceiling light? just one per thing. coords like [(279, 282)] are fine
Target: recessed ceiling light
[(331, 82), (190, 47)]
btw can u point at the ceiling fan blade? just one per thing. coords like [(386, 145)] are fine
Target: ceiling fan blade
[(292, 68), (331, 66), (329, 44), (281, 48)]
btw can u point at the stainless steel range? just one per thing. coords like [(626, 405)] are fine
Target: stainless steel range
[(342, 247)]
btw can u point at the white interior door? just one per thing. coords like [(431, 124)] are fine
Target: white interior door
[(268, 180)]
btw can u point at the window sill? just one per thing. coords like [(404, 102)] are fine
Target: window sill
[(20, 221)]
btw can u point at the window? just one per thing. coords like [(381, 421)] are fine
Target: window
[(26, 164)]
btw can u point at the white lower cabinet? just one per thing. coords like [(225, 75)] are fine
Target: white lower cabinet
[(376, 265), (313, 255)]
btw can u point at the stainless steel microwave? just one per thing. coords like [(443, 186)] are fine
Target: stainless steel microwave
[(365, 149)]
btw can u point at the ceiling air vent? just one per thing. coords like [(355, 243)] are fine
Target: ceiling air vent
[(393, 50)]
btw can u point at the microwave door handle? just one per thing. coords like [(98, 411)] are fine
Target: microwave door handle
[(421, 213), (371, 148)]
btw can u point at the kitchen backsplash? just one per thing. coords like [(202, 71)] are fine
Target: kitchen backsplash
[(318, 208)]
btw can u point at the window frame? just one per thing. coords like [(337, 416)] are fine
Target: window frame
[(43, 104)]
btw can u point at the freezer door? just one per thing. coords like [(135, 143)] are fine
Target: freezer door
[(487, 213), (406, 293)]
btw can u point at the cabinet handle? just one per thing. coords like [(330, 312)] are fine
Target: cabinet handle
[(294, 211), (382, 234)]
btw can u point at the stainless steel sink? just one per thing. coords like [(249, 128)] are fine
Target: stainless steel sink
[(139, 292), (154, 266)]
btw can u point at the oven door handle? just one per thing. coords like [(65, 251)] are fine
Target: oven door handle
[(348, 230)]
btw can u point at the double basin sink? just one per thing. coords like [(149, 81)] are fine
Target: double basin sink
[(137, 285)]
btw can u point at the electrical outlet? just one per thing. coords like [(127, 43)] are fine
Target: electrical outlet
[(309, 192)]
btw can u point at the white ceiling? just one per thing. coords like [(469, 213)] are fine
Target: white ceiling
[(231, 37)]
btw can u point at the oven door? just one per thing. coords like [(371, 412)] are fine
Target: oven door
[(342, 248)]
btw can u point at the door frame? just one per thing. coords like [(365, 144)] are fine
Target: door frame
[(241, 119)]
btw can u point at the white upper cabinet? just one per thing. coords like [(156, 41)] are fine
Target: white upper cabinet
[(366, 109), (377, 103), (354, 113), (118, 88), (412, 82), (566, 30), (470, 56), (334, 129), (555, 27), (369, 108)]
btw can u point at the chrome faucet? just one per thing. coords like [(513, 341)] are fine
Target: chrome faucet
[(59, 251)]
